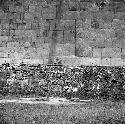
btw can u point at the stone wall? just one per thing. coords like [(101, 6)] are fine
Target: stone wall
[(97, 35)]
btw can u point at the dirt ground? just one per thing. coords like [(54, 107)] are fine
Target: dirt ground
[(61, 111)]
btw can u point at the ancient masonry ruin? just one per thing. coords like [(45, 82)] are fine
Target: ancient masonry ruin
[(96, 37)]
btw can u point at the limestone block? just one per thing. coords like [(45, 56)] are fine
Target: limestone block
[(59, 50), (107, 25), (21, 26), (35, 26), (2, 49), (19, 33), (1, 54), (119, 34), (20, 50), (107, 16), (12, 44), (95, 61), (116, 52), (4, 38), (30, 33), (32, 8), (29, 17), (2, 14), (106, 62), (122, 43), (119, 15), (27, 44), (83, 49), (69, 37), (123, 51), (69, 49), (111, 52), (5, 26), (19, 9), (123, 62), (108, 43), (49, 13), (13, 26), (116, 23), (117, 43), (69, 24), (11, 8), (0, 32), (108, 33), (28, 26), (87, 24), (71, 60), (116, 62), (44, 53), (4, 32), (10, 51), (97, 53), (79, 24), (71, 15)]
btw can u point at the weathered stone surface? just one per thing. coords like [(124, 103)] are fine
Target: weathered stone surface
[(106, 62), (69, 49), (24, 29), (71, 15), (71, 60), (32, 8), (28, 17), (97, 52), (108, 43), (116, 62), (111, 52), (69, 37), (48, 13)]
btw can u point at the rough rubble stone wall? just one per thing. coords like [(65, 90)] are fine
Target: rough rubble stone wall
[(25, 34)]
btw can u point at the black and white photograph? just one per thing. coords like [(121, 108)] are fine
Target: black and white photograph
[(62, 61)]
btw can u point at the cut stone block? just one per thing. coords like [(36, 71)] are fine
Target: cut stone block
[(4, 38), (32, 8), (69, 49), (95, 62), (119, 15), (5, 33), (108, 43), (19, 9), (116, 62), (20, 33), (49, 13), (5, 26), (97, 53), (21, 27), (13, 26), (35, 26), (85, 61), (30, 33), (107, 16), (106, 62), (71, 60), (12, 44), (69, 24), (28, 26), (111, 52), (69, 37), (29, 17), (11, 8), (71, 15), (122, 43)]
